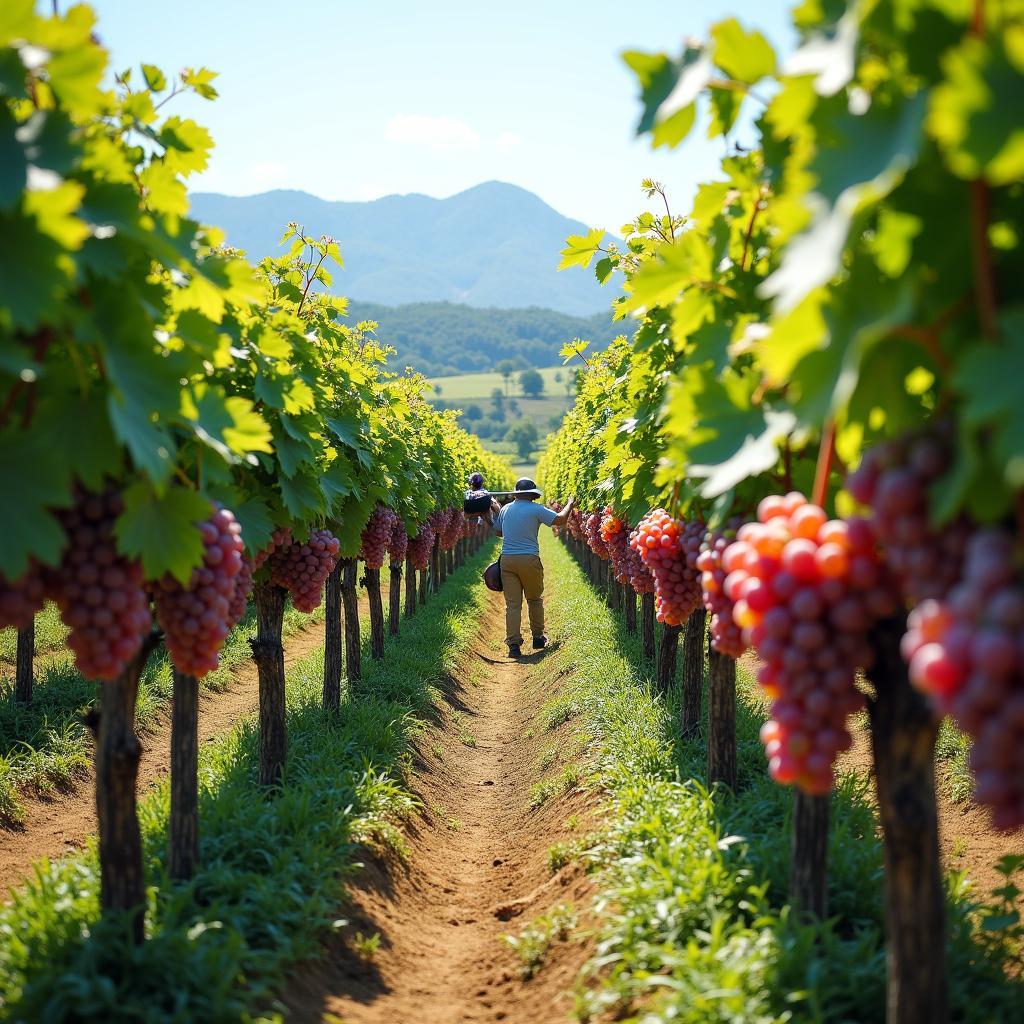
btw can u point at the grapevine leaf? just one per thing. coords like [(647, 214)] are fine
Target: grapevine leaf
[(302, 495), (13, 166), (160, 529), (292, 454), (257, 524), (156, 80), (580, 249), (603, 269), (27, 523), (80, 425), (744, 56)]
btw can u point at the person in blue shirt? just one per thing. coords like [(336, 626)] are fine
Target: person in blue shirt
[(522, 572)]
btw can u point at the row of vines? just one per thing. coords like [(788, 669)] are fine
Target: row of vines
[(184, 434), (814, 434)]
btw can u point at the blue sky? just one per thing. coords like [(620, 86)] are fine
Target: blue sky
[(354, 100)]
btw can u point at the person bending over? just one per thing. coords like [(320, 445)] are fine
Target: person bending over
[(522, 572)]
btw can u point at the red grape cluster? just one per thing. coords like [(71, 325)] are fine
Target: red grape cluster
[(20, 600), (806, 590), (303, 568), (377, 535), (726, 635), (593, 534), (967, 653), (243, 588), (280, 538), (196, 619), (99, 592), (575, 524), (640, 576), (615, 535), (399, 543), (669, 549), (453, 531), (421, 546), (894, 479), (439, 520)]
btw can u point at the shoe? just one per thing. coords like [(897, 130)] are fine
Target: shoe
[(540, 642), (515, 651)]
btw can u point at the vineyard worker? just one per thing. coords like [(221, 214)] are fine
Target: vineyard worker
[(521, 569)]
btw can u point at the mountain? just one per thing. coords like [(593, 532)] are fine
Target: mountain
[(439, 338), (492, 245)]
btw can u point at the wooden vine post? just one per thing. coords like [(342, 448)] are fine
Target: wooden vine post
[(394, 598), (614, 598), (721, 719), (23, 667), (332, 640), (667, 655), (350, 603), (424, 584), (268, 653), (903, 733), (410, 589), (629, 604), (647, 620), (693, 671), (371, 580), (184, 823), (122, 881), (435, 566), (808, 869)]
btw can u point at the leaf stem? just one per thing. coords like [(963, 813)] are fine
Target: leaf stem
[(825, 455)]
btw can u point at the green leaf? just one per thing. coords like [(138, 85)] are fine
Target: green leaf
[(603, 270), (75, 75), (162, 530), (78, 426), (256, 521), (744, 56), (156, 80), (302, 496), (580, 249), (43, 482)]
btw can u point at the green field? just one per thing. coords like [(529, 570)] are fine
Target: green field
[(478, 386)]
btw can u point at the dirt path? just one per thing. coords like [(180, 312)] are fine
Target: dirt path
[(61, 823), (477, 870)]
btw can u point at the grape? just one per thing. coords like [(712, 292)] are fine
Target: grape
[(20, 600), (399, 543), (243, 588), (639, 575), (303, 568), (279, 539), (421, 546), (196, 618), (593, 534), (615, 535), (453, 531), (802, 590), (575, 525), (377, 535), (894, 479), (99, 592), (965, 653), (669, 548), (726, 635)]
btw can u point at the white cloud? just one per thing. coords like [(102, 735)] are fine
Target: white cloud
[(267, 175), (509, 140), (435, 132)]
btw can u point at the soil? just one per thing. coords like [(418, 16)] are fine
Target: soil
[(477, 870), (62, 822)]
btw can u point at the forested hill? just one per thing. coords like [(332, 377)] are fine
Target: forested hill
[(439, 338), (492, 245)]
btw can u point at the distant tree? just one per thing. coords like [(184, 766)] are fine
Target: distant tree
[(437, 390), (570, 383), (484, 429), (474, 412), (554, 422), (513, 407), (531, 383), (558, 376), (523, 434), (498, 404), (506, 368), (499, 430)]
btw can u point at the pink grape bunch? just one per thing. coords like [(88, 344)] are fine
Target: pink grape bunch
[(302, 569), (894, 479), (805, 591), (726, 635), (20, 600), (196, 618), (967, 654), (640, 577), (615, 535), (399, 542), (421, 546), (575, 525), (453, 530), (376, 537), (669, 548), (280, 538), (593, 534), (99, 592)]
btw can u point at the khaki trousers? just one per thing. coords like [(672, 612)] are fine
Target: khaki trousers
[(522, 574)]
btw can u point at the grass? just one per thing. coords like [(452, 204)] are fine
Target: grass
[(952, 759), (49, 637), (44, 745), (534, 942), (274, 866), (694, 924), (478, 386)]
